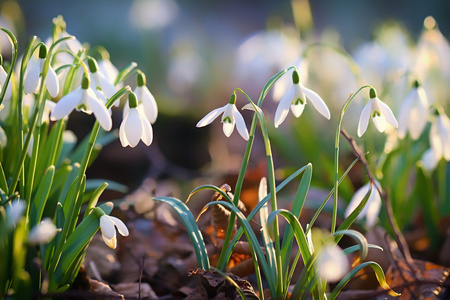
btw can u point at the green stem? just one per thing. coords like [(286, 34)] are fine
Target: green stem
[(336, 157), (13, 62)]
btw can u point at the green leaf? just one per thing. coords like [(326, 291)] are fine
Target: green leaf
[(41, 196), (358, 237), (3, 183), (378, 273), (94, 198), (191, 226), (92, 184)]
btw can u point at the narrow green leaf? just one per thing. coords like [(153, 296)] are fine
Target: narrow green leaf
[(3, 183), (191, 226), (41, 196), (378, 273), (94, 198)]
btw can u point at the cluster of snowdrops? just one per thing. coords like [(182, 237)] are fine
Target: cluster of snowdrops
[(49, 210)]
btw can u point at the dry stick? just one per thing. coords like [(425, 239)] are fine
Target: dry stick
[(140, 275), (399, 238)]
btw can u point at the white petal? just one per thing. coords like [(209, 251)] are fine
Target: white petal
[(52, 82), (297, 109), (107, 227), (66, 104), (372, 208), (417, 122), (444, 132), (331, 263), (283, 107), (430, 160), (112, 242), (123, 230), (228, 127), (387, 113), (364, 119), (107, 87), (211, 116), (358, 196), (228, 120), (122, 134), (147, 130), (240, 123), (435, 140), (380, 122), (317, 101), (42, 233), (99, 109), (149, 103), (405, 114), (133, 127), (32, 78)]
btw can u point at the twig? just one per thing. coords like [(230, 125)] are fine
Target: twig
[(398, 236)]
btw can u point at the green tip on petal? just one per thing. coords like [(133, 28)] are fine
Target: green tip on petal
[(372, 93), (295, 77), (416, 84), (1, 60), (92, 63), (42, 51), (132, 100), (232, 98), (141, 81), (85, 82)]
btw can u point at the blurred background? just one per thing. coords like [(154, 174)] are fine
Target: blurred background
[(194, 53)]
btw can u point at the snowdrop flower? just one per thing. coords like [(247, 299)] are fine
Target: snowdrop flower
[(373, 205), (380, 113), (3, 76), (439, 140), (42, 233), (106, 67), (86, 100), (146, 98), (295, 99), (14, 212), (100, 84), (413, 113), (331, 263), (135, 125), (33, 75), (107, 227), (231, 117)]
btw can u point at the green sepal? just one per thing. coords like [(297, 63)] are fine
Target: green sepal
[(92, 63), (295, 77), (132, 100), (141, 81)]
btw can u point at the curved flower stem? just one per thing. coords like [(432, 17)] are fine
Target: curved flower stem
[(336, 156), (13, 62)]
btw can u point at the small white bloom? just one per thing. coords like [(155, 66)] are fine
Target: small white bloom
[(380, 113), (33, 75), (373, 205), (231, 117), (14, 211), (3, 76), (100, 83), (108, 70), (107, 227), (86, 100), (42, 233), (135, 127), (331, 263), (439, 140), (295, 99), (145, 97), (413, 113)]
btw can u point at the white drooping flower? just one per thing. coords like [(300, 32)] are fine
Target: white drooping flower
[(85, 99), (135, 125), (108, 225), (42, 233), (3, 76), (100, 83), (413, 113), (231, 118), (373, 205), (295, 100), (14, 211), (439, 141), (146, 98), (33, 75), (379, 112), (331, 263)]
